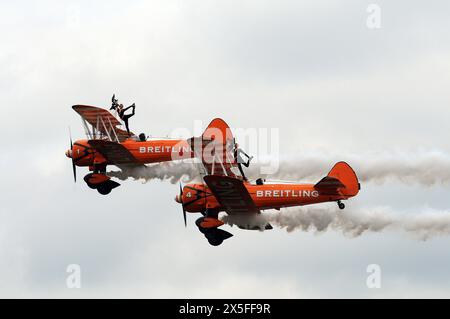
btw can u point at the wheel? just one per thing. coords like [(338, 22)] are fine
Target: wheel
[(104, 189), (199, 221), (200, 228), (214, 241), (91, 185), (341, 205), (213, 236), (86, 179)]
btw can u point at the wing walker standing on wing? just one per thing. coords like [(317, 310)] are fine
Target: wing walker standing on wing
[(121, 111), (108, 144)]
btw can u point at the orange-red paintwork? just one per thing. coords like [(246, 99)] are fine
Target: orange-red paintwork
[(96, 179), (276, 196), (145, 152), (209, 222), (109, 144)]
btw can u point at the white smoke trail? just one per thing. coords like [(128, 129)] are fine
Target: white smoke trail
[(422, 225), (171, 171), (424, 168)]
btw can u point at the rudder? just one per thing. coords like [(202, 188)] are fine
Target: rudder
[(341, 179), (347, 176)]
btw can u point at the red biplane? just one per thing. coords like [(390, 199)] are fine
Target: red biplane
[(225, 190), (108, 144)]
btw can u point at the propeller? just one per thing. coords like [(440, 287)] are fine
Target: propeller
[(74, 168), (182, 205)]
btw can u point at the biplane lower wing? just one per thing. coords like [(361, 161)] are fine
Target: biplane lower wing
[(115, 153), (232, 194)]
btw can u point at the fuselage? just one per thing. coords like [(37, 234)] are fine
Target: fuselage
[(145, 152), (197, 197)]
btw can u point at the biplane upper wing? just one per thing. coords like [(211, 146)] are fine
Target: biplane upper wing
[(103, 121), (232, 194), (115, 153), (215, 149)]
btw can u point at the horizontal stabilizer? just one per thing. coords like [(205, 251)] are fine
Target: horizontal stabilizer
[(329, 183)]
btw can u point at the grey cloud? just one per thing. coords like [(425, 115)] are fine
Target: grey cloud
[(314, 71)]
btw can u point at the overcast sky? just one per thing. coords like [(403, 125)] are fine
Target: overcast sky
[(315, 71)]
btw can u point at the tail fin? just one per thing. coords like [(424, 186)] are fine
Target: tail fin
[(341, 179)]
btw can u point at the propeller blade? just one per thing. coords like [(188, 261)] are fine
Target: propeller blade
[(74, 168), (70, 137), (182, 205)]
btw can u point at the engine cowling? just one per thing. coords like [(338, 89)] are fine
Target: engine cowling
[(193, 198)]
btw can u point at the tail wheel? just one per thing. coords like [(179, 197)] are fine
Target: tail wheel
[(341, 205)]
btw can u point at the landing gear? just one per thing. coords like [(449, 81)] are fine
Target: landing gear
[(200, 228), (104, 189), (341, 205), (214, 235), (213, 239), (101, 182), (92, 186)]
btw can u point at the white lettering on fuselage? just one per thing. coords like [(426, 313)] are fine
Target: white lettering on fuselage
[(287, 193), (164, 149)]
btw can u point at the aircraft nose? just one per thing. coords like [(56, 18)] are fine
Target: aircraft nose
[(69, 153)]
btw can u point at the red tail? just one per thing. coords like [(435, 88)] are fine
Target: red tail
[(340, 180)]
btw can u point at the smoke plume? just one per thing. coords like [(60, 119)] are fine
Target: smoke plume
[(423, 224), (424, 168), (171, 171)]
